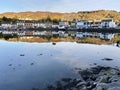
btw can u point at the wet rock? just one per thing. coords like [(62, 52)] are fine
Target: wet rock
[(107, 59), (50, 87), (22, 54), (102, 86), (81, 84), (53, 43), (114, 88), (66, 79), (104, 79), (59, 86), (95, 78), (40, 54), (114, 84), (78, 80), (31, 63), (78, 68), (114, 78), (73, 83), (118, 43), (83, 87), (10, 65), (13, 68), (114, 71), (85, 74), (96, 70), (94, 63), (35, 89), (73, 88), (91, 86)]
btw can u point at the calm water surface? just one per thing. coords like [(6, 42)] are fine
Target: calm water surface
[(44, 63)]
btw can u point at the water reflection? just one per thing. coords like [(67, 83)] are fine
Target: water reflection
[(85, 55), (44, 63), (118, 43), (75, 34)]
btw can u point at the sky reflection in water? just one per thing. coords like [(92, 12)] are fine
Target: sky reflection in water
[(45, 63)]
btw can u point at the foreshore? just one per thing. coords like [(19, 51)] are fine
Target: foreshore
[(94, 78), (33, 39), (68, 39)]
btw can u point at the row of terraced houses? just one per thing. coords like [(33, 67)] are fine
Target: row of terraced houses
[(80, 24)]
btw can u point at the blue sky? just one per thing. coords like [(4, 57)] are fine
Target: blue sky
[(58, 5)]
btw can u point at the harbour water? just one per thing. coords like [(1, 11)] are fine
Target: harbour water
[(24, 66)]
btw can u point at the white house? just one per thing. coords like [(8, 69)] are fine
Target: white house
[(63, 25), (73, 25), (36, 33), (21, 33), (36, 24), (14, 26), (61, 33), (79, 35), (48, 24), (81, 24), (55, 26), (6, 25), (42, 25), (96, 24), (118, 26), (9, 26), (107, 36), (9, 32), (43, 33), (108, 24), (21, 24), (88, 24), (55, 33)]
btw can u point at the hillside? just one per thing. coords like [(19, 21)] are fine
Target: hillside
[(86, 15)]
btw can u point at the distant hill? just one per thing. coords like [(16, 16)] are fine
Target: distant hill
[(84, 15)]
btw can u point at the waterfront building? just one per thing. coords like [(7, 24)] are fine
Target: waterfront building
[(108, 24), (36, 24), (79, 35), (63, 25), (8, 26), (96, 24), (82, 24), (21, 24), (29, 24)]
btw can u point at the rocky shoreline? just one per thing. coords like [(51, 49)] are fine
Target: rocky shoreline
[(95, 78)]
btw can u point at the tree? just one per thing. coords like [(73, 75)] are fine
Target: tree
[(8, 20), (55, 21), (14, 20), (48, 19), (1, 35), (5, 19)]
